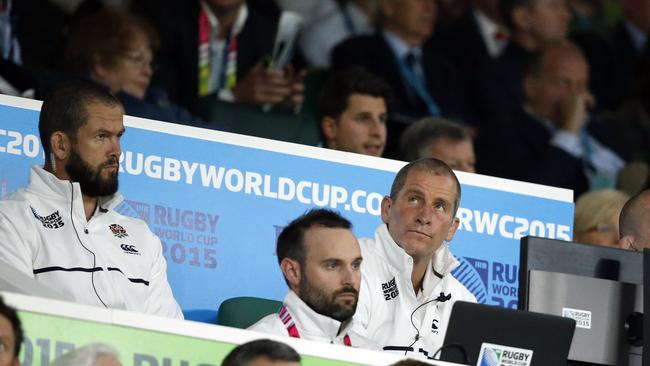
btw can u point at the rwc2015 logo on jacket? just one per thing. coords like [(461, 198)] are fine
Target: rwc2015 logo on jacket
[(390, 289), (118, 230), (51, 221)]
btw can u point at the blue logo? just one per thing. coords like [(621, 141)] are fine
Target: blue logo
[(473, 274), (490, 357), (138, 210)]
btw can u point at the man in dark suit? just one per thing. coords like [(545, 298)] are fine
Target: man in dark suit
[(476, 37), (424, 82), (219, 48), (496, 89), (615, 54), (551, 139)]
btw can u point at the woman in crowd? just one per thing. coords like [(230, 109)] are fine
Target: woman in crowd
[(115, 49)]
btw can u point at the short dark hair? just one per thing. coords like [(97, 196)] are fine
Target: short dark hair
[(424, 132), (430, 165), (338, 88), (11, 315), (247, 352), (291, 240), (65, 109)]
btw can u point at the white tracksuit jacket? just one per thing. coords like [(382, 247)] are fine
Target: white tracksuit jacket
[(387, 301), (309, 325), (110, 260)]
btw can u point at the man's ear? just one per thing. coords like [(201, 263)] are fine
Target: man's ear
[(291, 271), (386, 204), (626, 242), (452, 229), (96, 69), (61, 145), (329, 127)]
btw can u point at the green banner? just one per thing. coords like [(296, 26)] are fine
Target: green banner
[(49, 336)]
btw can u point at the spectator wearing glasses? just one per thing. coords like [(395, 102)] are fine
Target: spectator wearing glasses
[(115, 49)]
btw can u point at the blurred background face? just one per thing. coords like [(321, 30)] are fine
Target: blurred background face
[(547, 20), (562, 74), (458, 154), (411, 18), (132, 71), (605, 234)]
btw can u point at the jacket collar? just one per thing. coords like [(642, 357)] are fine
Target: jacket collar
[(443, 261), (44, 183), (311, 323)]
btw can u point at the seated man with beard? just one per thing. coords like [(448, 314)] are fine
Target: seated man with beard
[(321, 262), (62, 229)]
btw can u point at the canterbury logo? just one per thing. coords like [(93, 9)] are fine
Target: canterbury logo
[(129, 249)]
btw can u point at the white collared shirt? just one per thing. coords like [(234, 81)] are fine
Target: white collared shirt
[(605, 161), (401, 49), (637, 36), (488, 28)]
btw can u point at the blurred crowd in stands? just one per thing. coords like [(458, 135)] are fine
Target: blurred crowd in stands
[(555, 92)]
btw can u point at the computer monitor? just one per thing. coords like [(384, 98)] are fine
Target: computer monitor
[(600, 287), (490, 335)]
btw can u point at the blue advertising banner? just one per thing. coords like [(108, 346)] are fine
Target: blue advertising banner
[(218, 200)]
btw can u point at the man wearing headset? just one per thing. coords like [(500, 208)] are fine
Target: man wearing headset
[(407, 290), (63, 230)]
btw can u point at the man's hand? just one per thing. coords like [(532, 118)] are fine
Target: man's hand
[(297, 88), (573, 111), (264, 85)]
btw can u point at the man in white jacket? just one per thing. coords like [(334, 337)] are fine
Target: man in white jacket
[(320, 259), (62, 229), (407, 291)]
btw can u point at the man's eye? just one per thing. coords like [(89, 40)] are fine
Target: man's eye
[(332, 265), (440, 207), (413, 199)]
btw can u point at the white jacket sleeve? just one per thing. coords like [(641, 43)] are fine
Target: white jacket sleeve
[(161, 299), (15, 246)]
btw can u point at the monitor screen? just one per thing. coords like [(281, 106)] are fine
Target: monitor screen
[(489, 335), (599, 287)]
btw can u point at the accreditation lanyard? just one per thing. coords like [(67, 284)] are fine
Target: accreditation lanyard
[(416, 84), (286, 318), (217, 70)]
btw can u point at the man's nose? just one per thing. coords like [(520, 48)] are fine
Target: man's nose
[(116, 147), (349, 275), (424, 215)]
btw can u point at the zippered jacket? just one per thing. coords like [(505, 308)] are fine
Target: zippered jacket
[(389, 311), (111, 260), (296, 319)]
